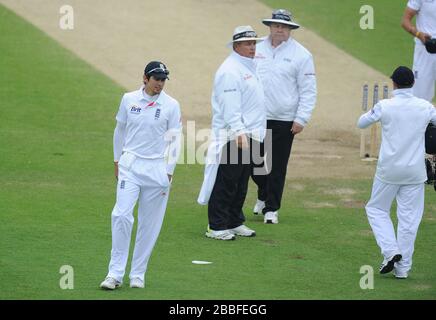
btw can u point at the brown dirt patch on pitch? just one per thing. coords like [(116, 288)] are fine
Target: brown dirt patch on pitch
[(318, 205), (353, 204)]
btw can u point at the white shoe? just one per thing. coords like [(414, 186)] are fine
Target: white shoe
[(258, 207), (110, 283), (220, 234), (389, 263), (271, 217), (400, 275), (243, 231), (136, 283)]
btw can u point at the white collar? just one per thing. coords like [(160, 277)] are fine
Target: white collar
[(144, 96), (284, 44), (403, 93), (248, 62)]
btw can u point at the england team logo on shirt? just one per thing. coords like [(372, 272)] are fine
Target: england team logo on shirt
[(157, 114)]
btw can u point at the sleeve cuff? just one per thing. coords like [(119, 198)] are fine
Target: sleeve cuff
[(235, 133), (412, 6), (300, 121), (170, 169)]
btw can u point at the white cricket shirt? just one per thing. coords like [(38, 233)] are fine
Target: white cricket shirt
[(238, 104), (404, 119), (150, 126), (426, 16), (288, 76)]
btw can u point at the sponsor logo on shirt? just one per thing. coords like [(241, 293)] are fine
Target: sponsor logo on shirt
[(259, 56), (248, 76), (157, 114), (229, 90), (287, 59), (310, 74), (135, 109), (122, 184)]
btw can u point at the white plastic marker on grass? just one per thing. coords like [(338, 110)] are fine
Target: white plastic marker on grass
[(200, 262)]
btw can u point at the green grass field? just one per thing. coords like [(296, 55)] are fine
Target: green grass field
[(57, 193)]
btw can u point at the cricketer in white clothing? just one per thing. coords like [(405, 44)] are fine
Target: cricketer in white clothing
[(400, 171), (424, 63), (148, 129)]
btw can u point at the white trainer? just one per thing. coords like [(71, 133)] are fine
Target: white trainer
[(243, 231), (389, 263), (220, 234), (110, 283), (258, 207), (400, 275), (271, 217), (136, 283)]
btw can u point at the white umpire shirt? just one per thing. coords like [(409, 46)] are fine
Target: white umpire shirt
[(238, 99), (426, 17), (148, 127), (238, 107), (404, 119), (288, 76)]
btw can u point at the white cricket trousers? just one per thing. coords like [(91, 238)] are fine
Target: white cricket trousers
[(410, 208), (144, 181), (424, 67)]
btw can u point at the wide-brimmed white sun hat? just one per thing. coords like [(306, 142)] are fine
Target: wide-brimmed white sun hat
[(244, 33), (281, 16)]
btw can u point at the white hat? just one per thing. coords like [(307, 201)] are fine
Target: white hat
[(244, 33), (281, 16)]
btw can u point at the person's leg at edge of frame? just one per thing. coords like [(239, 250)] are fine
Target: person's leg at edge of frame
[(424, 68)]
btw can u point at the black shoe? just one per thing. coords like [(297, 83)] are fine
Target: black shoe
[(388, 264)]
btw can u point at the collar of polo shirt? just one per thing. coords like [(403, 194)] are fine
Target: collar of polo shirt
[(159, 100)]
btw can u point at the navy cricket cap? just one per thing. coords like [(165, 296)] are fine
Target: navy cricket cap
[(403, 77), (156, 69)]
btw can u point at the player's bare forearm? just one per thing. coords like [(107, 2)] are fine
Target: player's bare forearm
[(407, 25), (406, 22)]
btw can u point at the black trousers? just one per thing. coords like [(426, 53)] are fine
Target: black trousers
[(270, 186), (230, 189)]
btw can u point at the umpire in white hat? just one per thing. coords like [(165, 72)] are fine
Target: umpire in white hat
[(286, 70), (238, 122)]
